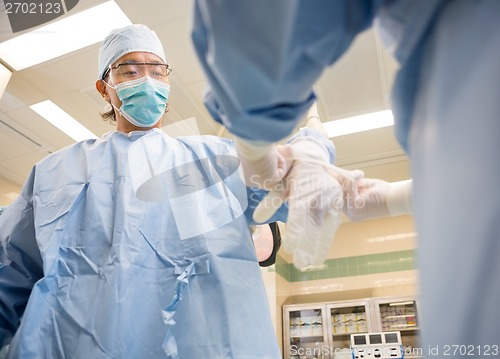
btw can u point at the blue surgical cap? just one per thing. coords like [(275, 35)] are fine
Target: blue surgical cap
[(128, 39)]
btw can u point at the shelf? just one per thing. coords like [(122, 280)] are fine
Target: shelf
[(347, 334), (305, 339), (305, 325), (403, 327), (398, 316)]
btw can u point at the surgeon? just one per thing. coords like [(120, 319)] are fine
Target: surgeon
[(136, 244), (262, 59)]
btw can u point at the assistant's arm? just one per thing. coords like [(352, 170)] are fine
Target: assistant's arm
[(20, 262), (263, 57), (369, 198)]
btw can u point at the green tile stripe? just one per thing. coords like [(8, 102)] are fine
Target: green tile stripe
[(350, 266)]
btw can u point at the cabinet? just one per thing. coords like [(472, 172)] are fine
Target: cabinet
[(323, 330), (305, 330), (401, 314), (346, 318)]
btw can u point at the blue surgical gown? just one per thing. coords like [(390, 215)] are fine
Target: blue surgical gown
[(262, 59), (134, 246)]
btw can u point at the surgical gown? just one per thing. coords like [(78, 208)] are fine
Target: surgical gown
[(134, 246), (262, 59)]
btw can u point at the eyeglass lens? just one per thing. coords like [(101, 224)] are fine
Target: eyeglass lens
[(138, 70)]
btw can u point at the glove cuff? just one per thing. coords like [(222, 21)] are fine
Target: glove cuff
[(398, 198), (310, 148), (252, 150)]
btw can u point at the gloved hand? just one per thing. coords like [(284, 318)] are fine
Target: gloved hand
[(315, 202), (313, 189), (263, 165), (301, 174), (372, 198), (266, 164)]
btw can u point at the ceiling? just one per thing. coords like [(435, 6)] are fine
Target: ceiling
[(359, 83)]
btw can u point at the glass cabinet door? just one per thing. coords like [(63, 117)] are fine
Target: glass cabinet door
[(305, 332), (401, 314), (346, 319)]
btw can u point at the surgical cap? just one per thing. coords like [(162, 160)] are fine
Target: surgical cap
[(128, 39)]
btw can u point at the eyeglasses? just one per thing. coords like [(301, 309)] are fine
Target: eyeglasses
[(135, 70)]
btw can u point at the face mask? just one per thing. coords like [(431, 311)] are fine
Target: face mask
[(143, 100)]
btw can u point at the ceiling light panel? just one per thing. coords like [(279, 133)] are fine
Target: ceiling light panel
[(63, 36), (361, 123), (64, 122), (5, 75)]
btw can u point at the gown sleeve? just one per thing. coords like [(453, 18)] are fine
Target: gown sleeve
[(20, 261), (263, 57)]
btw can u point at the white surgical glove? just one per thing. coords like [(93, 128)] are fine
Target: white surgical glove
[(313, 190), (299, 173), (372, 198), (263, 164), (315, 202)]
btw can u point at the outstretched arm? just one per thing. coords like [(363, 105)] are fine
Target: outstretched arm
[(371, 198), (263, 57)]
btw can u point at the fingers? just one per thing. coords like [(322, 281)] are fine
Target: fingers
[(270, 169), (309, 236), (315, 199), (314, 214)]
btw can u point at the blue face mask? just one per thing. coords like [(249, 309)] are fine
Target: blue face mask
[(143, 100)]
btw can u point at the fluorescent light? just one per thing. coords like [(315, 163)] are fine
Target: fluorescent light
[(63, 36), (361, 123), (400, 303), (64, 122), (5, 75)]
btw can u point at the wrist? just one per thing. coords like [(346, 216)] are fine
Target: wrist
[(311, 148), (398, 198), (252, 150)]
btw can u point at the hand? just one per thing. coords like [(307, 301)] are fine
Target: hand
[(372, 198), (315, 201), (264, 165)]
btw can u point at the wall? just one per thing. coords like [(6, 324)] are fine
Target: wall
[(8, 191), (374, 258)]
